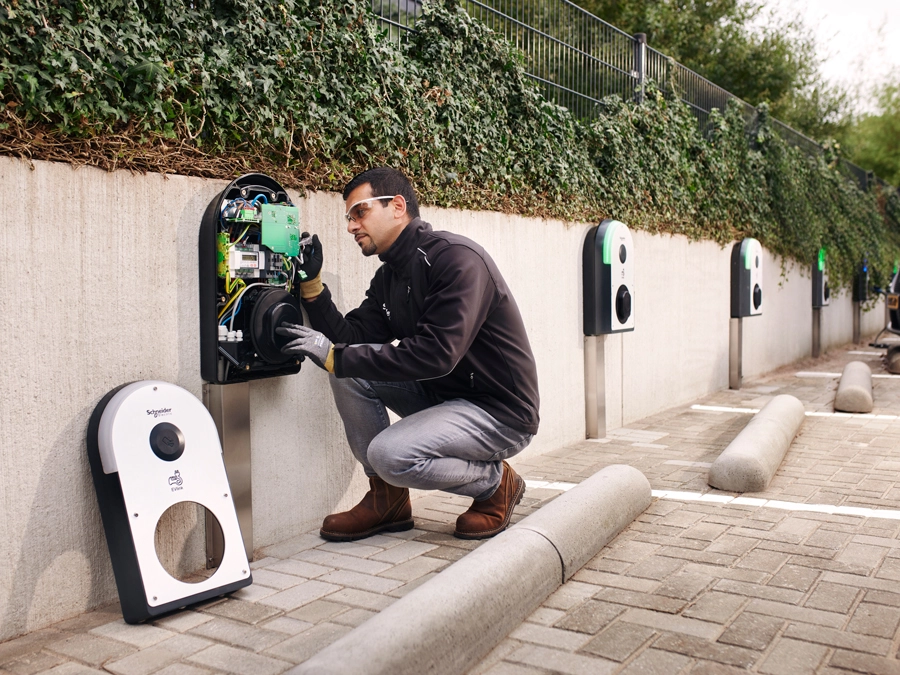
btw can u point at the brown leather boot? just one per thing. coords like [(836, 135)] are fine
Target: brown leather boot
[(491, 516), (385, 508)]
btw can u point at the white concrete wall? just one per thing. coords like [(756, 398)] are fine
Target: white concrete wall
[(100, 278)]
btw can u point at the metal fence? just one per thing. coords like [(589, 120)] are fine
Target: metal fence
[(578, 60)]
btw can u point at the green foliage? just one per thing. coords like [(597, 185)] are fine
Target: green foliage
[(874, 143), (312, 91), (728, 42)]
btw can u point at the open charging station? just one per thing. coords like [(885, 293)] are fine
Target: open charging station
[(250, 245), (746, 300), (608, 307), (153, 445), (821, 297)]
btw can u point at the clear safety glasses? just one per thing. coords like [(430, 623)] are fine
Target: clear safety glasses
[(354, 214)]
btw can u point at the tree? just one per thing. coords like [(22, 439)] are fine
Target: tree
[(755, 55), (874, 142)]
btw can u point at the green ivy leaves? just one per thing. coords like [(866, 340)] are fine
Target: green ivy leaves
[(317, 90)]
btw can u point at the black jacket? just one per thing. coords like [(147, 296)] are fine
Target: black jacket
[(460, 332)]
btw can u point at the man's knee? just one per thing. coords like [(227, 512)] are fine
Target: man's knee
[(340, 384), (385, 457)]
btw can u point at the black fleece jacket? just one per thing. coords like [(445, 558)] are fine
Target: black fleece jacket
[(459, 329)]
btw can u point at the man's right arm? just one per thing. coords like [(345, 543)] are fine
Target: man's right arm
[(365, 324)]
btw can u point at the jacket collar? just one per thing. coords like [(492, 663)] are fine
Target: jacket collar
[(403, 249)]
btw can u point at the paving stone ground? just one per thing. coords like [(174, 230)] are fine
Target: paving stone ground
[(800, 578)]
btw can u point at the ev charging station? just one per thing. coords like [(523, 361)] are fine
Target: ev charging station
[(746, 300), (152, 445), (821, 297), (860, 296), (608, 307), (249, 245)]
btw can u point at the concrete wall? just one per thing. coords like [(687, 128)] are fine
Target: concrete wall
[(100, 278)]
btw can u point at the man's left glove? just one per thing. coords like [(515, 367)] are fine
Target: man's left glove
[(308, 342)]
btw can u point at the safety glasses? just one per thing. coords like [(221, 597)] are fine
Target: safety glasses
[(355, 217)]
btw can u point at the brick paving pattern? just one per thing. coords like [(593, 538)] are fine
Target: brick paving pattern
[(801, 578)]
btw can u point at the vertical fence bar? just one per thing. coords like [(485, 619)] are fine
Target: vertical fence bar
[(640, 66)]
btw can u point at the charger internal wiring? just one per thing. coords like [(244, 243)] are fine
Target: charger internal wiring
[(241, 295)]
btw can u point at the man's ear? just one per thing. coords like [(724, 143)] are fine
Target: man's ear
[(398, 203)]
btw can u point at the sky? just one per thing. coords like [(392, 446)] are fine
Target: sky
[(859, 40)]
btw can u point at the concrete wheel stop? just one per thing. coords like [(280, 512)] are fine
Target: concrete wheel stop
[(752, 458), (854, 393), (448, 624)]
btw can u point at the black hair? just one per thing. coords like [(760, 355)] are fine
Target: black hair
[(386, 181)]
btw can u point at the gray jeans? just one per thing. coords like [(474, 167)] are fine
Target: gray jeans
[(452, 445)]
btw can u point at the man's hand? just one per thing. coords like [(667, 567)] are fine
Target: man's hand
[(308, 342), (311, 253)]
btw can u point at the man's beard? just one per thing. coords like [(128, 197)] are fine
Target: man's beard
[(368, 247)]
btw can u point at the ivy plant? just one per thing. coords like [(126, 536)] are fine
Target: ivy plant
[(313, 91)]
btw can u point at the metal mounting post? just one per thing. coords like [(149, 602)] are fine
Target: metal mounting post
[(229, 405), (816, 332), (640, 66), (595, 386), (735, 353)]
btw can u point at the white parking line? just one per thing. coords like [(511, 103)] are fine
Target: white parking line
[(815, 373), (681, 462), (809, 413), (549, 485), (710, 498), (776, 504)]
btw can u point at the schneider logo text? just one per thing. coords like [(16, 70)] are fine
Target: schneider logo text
[(160, 412)]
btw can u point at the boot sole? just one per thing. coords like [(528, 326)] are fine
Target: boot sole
[(487, 534), (401, 526)]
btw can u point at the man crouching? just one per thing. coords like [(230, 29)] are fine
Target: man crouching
[(461, 375)]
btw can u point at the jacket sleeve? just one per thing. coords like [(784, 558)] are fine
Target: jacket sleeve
[(461, 294), (365, 324)]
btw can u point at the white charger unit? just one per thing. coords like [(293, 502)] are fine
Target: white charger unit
[(608, 276), (821, 292), (152, 445), (746, 278)]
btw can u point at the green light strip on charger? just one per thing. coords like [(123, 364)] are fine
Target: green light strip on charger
[(607, 241)]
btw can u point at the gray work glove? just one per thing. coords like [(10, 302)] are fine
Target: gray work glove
[(308, 342)]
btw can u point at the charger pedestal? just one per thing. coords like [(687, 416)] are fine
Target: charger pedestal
[(816, 332), (595, 386), (735, 353), (229, 406)]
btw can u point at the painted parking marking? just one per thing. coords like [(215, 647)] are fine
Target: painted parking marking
[(815, 373), (549, 485), (830, 509), (681, 462), (732, 500), (809, 413)]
